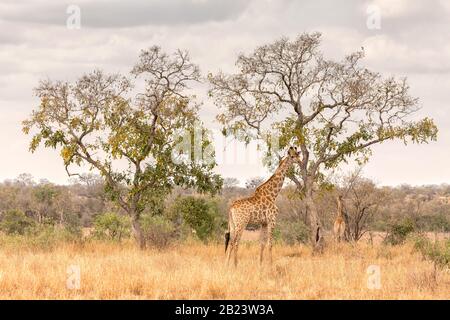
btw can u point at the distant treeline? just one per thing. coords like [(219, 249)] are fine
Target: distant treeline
[(85, 204)]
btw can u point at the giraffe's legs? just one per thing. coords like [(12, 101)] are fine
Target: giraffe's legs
[(263, 241), (231, 245), (339, 233), (232, 236), (236, 245), (270, 228)]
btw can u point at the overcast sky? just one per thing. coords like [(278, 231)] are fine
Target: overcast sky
[(413, 40)]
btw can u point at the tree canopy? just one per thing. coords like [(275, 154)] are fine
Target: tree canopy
[(130, 136), (287, 93)]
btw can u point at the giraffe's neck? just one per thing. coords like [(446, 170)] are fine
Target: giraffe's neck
[(339, 208), (273, 185)]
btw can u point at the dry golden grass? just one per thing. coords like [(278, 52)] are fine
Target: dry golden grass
[(121, 271)]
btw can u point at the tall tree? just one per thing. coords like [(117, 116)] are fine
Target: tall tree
[(333, 110), (230, 183), (362, 200), (130, 137), (253, 183)]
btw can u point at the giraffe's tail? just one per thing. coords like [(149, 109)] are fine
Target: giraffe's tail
[(228, 233), (227, 240)]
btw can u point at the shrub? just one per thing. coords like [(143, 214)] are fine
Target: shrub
[(159, 231), (198, 213), (292, 232), (111, 226), (39, 237), (15, 222), (398, 232), (277, 238), (72, 223), (438, 252), (435, 222), (45, 236)]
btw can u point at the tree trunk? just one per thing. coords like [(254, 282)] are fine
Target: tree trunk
[(61, 219), (316, 227), (348, 233), (137, 231)]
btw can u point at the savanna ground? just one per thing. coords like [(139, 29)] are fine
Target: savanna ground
[(197, 271)]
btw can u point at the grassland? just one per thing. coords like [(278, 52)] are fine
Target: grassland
[(196, 271)]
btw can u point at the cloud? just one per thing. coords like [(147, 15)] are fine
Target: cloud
[(398, 8), (34, 44), (120, 14), (405, 57)]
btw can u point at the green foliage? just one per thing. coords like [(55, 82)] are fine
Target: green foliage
[(335, 111), (159, 231), (100, 119), (437, 252), (72, 223), (39, 237), (111, 226), (198, 213), (292, 232), (45, 194), (15, 222), (399, 231), (277, 238), (434, 222), (48, 236)]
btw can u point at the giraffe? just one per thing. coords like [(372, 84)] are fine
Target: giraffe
[(339, 223), (259, 209)]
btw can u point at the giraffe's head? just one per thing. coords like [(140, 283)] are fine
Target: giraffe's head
[(294, 155)]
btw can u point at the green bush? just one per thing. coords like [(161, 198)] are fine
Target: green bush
[(111, 226), (46, 236), (15, 222), (437, 252), (72, 223), (159, 231), (399, 231), (200, 214), (276, 234), (437, 222), (292, 232), (39, 237)]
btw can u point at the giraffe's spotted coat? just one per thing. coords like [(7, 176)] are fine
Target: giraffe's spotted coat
[(259, 209), (339, 223)]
